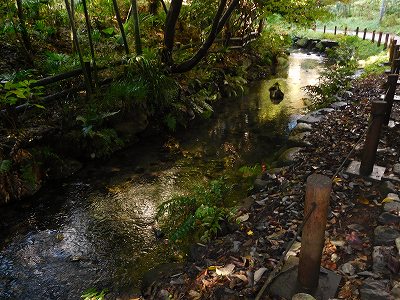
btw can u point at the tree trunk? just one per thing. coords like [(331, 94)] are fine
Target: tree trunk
[(169, 30), (121, 27), (89, 32), (138, 42), (218, 24), (382, 11), (24, 33), (78, 49)]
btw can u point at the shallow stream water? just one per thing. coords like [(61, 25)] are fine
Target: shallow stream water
[(95, 230)]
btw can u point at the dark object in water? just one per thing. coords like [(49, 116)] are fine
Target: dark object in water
[(275, 93)]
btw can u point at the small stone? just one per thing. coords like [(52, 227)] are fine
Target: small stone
[(339, 105), (260, 184), (302, 127), (388, 218), (356, 227), (387, 187), (348, 269), (299, 139), (396, 169), (236, 245), (374, 290), (379, 259), (289, 156), (302, 296), (392, 206), (384, 235)]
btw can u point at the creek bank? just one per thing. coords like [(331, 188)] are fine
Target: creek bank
[(56, 144), (235, 266)]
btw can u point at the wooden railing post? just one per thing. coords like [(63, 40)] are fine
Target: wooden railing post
[(335, 30), (324, 28), (379, 38), (345, 30), (395, 66), (386, 41), (371, 143), (389, 96), (365, 33), (391, 49), (373, 36), (318, 191), (357, 29)]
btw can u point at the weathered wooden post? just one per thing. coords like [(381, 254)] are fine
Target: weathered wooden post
[(335, 30), (391, 49), (357, 29), (345, 30), (389, 96), (395, 66), (318, 191), (379, 38), (324, 28), (373, 37), (365, 33), (386, 41), (371, 143)]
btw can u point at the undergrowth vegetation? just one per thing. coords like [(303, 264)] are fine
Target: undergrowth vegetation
[(201, 213)]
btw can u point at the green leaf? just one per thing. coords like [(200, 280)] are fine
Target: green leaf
[(5, 166)]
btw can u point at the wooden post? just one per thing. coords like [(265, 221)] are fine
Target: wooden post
[(386, 41), (389, 96), (345, 30), (365, 33), (89, 72), (357, 29), (335, 30), (391, 49), (395, 66), (373, 37), (371, 143), (379, 38), (324, 28), (318, 191)]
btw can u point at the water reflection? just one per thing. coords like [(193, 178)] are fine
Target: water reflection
[(96, 230)]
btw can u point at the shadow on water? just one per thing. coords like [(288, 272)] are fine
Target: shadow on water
[(96, 229)]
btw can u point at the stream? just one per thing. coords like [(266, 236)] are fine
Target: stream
[(95, 230)]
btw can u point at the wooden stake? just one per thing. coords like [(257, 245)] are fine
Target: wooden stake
[(371, 143), (365, 33), (345, 30), (357, 29), (324, 28), (335, 30), (389, 96), (373, 37), (391, 49), (386, 41), (379, 38), (318, 191)]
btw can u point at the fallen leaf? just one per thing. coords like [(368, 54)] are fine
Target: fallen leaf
[(258, 274), (250, 232), (241, 277), (227, 270), (387, 200), (194, 295), (243, 218), (363, 200)]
